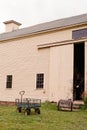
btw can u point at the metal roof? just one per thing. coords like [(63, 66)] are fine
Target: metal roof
[(61, 23)]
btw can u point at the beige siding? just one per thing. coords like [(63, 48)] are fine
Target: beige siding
[(22, 60), (55, 36), (61, 72)]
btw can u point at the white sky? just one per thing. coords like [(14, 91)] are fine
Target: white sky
[(31, 12)]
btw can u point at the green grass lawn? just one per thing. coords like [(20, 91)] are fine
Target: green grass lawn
[(49, 119)]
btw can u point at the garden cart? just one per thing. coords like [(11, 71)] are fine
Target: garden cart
[(26, 104)]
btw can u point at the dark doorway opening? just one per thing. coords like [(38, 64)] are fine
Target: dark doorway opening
[(78, 71)]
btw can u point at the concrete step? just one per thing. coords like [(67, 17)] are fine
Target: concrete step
[(77, 105)]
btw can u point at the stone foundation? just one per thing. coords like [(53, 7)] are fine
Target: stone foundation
[(7, 103)]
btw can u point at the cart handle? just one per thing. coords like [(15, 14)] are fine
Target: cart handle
[(22, 93)]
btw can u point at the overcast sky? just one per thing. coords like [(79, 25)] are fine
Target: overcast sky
[(31, 12)]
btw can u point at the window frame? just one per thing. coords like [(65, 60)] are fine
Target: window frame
[(9, 81), (39, 80)]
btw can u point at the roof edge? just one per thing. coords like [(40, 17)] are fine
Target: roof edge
[(12, 21)]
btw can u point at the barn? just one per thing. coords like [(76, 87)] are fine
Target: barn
[(47, 61)]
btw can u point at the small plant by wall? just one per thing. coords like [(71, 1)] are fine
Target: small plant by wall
[(84, 97)]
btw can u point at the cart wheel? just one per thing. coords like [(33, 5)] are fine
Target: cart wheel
[(37, 110), (19, 109), (27, 112)]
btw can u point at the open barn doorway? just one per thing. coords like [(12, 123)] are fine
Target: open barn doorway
[(78, 83)]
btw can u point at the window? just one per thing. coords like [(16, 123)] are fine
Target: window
[(40, 80), (76, 34), (9, 81)]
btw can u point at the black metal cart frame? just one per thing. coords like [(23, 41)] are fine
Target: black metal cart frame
[(27, 104)]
